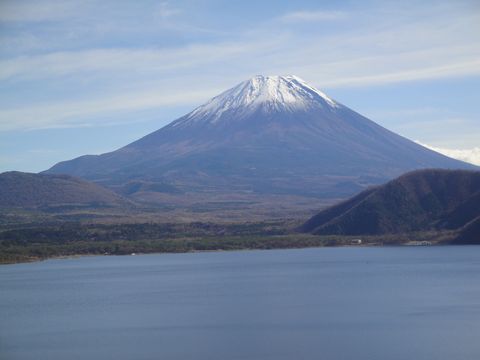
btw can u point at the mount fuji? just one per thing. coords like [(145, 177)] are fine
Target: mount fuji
[(269, 135)]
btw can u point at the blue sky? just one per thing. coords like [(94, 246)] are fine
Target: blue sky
[(86, 77)]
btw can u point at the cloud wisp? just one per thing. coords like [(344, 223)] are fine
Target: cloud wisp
[(79, 113), (313, 16)]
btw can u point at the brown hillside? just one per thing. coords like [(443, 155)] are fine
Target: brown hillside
[(27, 190)]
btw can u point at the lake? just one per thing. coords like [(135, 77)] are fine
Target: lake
[(325, 303)]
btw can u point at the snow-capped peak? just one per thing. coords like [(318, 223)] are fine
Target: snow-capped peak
[(265, 93)]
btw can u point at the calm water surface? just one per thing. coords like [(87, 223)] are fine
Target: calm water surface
[(330, 303)]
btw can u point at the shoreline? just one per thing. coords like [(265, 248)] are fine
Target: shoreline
[(72, 240), (79, 255)]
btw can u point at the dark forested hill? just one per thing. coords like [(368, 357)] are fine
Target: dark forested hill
[(417, 201), (470, 233)]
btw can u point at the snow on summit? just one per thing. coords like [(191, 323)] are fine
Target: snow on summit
[(265, 93)]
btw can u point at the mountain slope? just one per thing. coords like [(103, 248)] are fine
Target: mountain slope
[(420, 200), (267, 135), (470, 233), (26, 190)]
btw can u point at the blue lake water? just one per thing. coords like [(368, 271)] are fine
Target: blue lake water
[(327, 303)]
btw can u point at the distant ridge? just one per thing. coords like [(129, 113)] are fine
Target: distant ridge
[(418, 201), (27, 190)]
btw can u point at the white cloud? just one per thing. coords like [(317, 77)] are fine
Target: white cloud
[(454, 69), (468, 155), (124, 59), (78, 113), (312, 16)]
